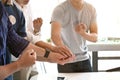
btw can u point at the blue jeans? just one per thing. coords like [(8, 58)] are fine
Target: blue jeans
[(81, 66)]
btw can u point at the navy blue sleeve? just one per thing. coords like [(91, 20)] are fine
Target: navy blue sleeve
[(15, 43), (21, 24)]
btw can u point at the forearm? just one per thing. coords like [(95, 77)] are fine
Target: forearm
[(57, 40), (9, 69), (39, 51), (90, 37), (45, 45), (39, 58)]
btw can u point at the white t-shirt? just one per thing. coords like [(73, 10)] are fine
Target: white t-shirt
[(68, 17)]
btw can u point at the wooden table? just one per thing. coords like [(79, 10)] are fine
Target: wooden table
[(80, 76)]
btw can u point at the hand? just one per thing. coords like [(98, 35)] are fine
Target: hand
[(81, 28), (37, 23), (27, 59), (63, 50), (58, 58)]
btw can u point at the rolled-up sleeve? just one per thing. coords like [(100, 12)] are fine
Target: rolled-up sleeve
[(15, 43)]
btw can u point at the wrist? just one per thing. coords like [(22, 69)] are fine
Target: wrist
[(47, 52), (36, 31), (18, 64), (52, 48)]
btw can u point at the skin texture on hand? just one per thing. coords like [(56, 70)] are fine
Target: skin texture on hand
[(60, 50), (27, 59), (60, 59), (81, 28), (63, 50), (37, 23)]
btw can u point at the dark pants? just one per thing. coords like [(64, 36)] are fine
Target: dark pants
[(81, 66)]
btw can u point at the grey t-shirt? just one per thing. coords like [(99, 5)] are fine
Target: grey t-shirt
[(68, 17)]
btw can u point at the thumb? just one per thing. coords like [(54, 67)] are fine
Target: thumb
[(33, 53)]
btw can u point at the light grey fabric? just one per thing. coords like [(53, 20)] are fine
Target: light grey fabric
[(68, 16)]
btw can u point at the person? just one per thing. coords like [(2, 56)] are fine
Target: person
[(8, 37), (73, 23), (33, 29), (18, 23), (27, 59)]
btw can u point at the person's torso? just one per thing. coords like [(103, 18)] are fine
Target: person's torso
[(71, 18), (3, 33), (17, 19)]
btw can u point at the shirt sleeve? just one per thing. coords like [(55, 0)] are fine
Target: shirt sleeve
[(15, 43), (93, 19), (58, 14)]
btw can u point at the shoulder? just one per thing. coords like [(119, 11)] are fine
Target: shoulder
[(17, 9), (3, 11), (89, 6), (62, 6)]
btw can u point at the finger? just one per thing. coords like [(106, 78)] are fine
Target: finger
[(33, 53), (39, 20), (68, 52), (62, 51)]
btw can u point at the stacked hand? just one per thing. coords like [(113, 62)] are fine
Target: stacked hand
[(27, 59), (61, 55)]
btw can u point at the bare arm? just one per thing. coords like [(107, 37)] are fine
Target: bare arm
[(53, 56), (8, 70), (53, 48), (26, 59), (57, 40), (45, 45), (92, 36), (56, 34)]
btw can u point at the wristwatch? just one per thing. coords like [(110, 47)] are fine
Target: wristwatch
[(47, 52)]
